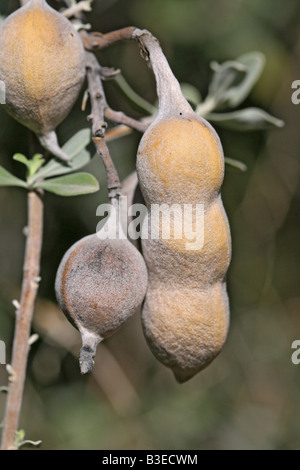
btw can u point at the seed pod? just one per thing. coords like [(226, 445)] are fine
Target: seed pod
[(99, 285), (43, 67), (180, 161)]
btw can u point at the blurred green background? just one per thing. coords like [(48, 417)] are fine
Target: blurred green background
[(248, 398)]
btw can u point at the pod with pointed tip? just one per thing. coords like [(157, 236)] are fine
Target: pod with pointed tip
[(99, 286), (42, 64), (180, 162)]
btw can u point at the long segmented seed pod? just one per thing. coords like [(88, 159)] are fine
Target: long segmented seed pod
[(180, 161)]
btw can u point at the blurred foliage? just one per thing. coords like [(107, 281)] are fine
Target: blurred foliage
[(248, 397)]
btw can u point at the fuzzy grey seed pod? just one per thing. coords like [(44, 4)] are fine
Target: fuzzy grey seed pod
[(42, 64), (99, 285)]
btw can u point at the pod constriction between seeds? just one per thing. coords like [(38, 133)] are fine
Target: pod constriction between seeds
[(180, 161)]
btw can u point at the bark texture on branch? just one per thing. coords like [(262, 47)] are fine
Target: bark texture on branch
[(23, 320)]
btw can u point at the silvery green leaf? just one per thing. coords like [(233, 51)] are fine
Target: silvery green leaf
[(233, 80), (191, 93), (27, 442), (225, 76), (32, 165), (254, 63), (71, 185), (75, 149), (55, 168), (7, 179), (236, 164), (19, 157), (20, 440), (19, 437), (249, 119), (77, 143), (133, 96), (35, 164)]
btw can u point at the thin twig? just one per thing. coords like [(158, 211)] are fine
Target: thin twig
[(113, 181), (122, 130), (117, 132), (23, 320), (97, 96), (94, 41), (79, 15), (99, 111), (121, 118), (98, 107), (73, 10)]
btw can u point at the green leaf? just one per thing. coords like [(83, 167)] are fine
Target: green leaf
[(75, 149), (20, 442), (19, 157), (232, 81), (19, 437), (225, 77), (236, 164), (36, 162), (254, 63), (34, 165), (191, 93), (133, 96), (55, 168), (7, 179), (77, 143), (71, 185), (27, 442), (249, 119)]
